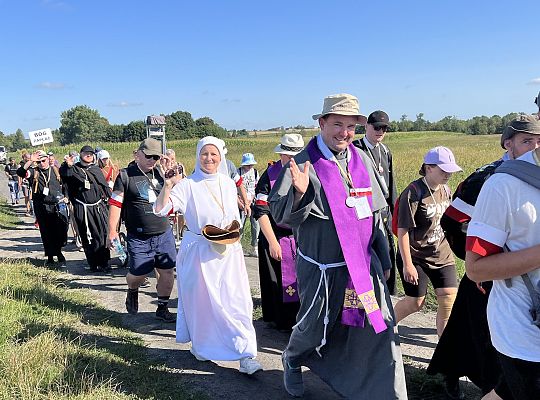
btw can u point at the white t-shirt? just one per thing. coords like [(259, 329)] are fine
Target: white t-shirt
[(507, 213), (249, 180)]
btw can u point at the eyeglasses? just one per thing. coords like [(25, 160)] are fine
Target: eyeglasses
[(154, 157), (378, 128)]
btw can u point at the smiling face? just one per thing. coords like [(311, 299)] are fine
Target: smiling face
[(209, 159), (337, 131)]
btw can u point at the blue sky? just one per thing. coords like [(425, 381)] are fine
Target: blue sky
[(256, 65)]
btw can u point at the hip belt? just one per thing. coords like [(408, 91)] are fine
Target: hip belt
[(323, 278), (85, 207)]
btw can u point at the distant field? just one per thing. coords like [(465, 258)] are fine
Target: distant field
[(408, 149)]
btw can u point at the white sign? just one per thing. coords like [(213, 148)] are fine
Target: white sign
[(40, 137)]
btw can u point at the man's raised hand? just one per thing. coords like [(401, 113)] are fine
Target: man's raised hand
[(300, 179)]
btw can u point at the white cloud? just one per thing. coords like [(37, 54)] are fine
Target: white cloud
[(535, 81), (231, 100), (125, 104), (51, 85)]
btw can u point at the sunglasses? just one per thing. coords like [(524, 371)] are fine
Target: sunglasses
[(378, 128), (44, 160), (154, 157)]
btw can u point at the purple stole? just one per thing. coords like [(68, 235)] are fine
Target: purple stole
[(288, 251), (354, 236)]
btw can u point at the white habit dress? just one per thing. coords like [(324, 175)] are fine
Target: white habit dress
[(215, 308)]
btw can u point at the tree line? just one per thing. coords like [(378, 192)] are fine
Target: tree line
[(84, 124)]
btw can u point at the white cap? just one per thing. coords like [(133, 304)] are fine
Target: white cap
[(103, 154)]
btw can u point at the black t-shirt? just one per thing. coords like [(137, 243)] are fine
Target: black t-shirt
[(12, 171), (137, 209)]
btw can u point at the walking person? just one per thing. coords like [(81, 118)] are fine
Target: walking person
[(50, 204), (328, 195), (465, 347), (25, 188), (215, 309), (13, 180), (110, 170), (277, 247), (250, 178), (381, 157), (425, 255), (89, 192), (150, 241), (503, 245)]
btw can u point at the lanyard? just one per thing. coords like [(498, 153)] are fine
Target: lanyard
[(214, 196), (152, 181), (345, 174), (48, 179)]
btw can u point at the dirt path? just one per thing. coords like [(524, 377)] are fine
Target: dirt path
[(219, 380)]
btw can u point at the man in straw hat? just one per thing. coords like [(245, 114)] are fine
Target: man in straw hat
[(346, 330), (277, 248), (503, 245)]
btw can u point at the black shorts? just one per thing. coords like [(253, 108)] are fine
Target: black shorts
[(444, 277), (520, 379)]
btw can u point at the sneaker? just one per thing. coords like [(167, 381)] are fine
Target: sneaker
[(292, 378), (197, 356), (165, 315), (255, 252), (249, 366), (132, 301)]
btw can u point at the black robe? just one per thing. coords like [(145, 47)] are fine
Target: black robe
[(274, 309), (387, 184), (52, 228), (74, 177)]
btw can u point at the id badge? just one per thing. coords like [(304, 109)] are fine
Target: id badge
[(363, 210), (45, 191), (152, 196), (87, 184), (111, 184)]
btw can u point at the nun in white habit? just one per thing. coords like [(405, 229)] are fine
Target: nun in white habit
[(215, 309)]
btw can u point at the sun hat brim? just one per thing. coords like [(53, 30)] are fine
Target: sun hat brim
[(362, 119), (279, 150)]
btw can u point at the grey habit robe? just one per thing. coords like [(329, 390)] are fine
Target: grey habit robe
[(356, 362)]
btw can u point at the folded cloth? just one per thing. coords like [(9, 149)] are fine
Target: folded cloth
[(228, 235)]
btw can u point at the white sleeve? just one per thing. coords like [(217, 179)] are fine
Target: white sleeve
[(177, 199), (490, 219)]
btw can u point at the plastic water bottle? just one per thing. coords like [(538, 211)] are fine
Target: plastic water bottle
[(119, 249)]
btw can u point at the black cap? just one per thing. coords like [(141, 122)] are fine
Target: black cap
[(537, 101), (87, 149), (378, 118)]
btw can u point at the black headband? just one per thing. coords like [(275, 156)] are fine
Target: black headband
[(290, 148)]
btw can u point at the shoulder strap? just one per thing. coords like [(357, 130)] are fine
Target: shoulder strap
[(124, 177), (526, 171)]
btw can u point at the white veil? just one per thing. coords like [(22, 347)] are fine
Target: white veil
[(222, 167)]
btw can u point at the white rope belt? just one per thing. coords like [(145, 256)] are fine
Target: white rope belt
[(323, 268), (85, 206)]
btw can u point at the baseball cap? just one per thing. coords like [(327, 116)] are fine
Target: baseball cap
[(443, 157), (522, 123), (103, 154), (87, 149), (378, 118), (150, 147)]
